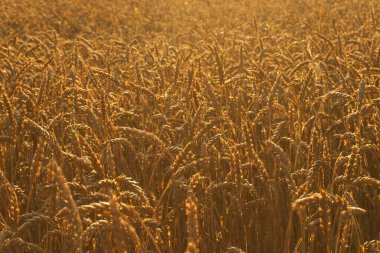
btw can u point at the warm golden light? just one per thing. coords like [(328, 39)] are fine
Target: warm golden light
[(195, 126)]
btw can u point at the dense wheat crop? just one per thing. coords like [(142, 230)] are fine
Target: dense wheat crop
[(189, 126)]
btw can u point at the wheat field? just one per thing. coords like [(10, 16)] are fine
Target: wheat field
[(194, 126)]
